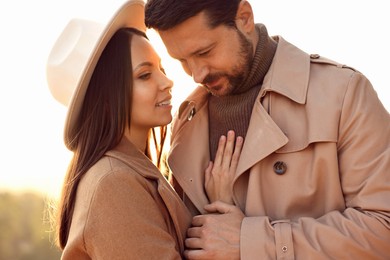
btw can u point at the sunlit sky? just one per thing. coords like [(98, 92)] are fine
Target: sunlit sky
[(33, 157)]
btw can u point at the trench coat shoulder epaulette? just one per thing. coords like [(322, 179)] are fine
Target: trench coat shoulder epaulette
[(316, 58)]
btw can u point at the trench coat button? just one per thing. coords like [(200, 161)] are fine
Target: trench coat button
[(280, 167), (191, 114), (314, 56), (184, 107)]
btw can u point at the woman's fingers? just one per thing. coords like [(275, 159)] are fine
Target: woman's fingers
[(220, 174), (225, 150), (220, 151), (227, 156), (237, 152), (208, 172), (229, 148)]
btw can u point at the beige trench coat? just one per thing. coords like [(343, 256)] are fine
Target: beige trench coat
[(314, 174), (125, 209)]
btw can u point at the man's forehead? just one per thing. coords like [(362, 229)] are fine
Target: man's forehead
[(189, 37)]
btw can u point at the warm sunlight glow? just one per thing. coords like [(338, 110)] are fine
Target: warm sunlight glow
[(31, 139)]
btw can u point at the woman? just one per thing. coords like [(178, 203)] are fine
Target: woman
[(115, 203)]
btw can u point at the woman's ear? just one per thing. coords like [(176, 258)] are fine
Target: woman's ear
[(244, 17)]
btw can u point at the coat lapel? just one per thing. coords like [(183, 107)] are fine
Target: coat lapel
[(263, 138), (190, 155)]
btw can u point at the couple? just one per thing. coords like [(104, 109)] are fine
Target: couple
[(311, 180)]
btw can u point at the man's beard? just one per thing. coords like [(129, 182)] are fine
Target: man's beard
[(239, 72)]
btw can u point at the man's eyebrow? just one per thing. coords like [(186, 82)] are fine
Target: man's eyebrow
[(202, 49), (197, 51)]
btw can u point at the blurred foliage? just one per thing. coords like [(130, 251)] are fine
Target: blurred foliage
[(25, 229)]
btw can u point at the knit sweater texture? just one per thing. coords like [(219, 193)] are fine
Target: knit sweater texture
[(233, 112)]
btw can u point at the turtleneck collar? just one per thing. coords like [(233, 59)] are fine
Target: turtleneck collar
[(265, 51), (233, 112)]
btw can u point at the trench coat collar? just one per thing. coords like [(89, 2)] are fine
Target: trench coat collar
[(128, 153), (189, 155), (289, 72)]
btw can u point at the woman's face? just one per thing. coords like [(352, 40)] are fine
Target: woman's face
[(151, 88)]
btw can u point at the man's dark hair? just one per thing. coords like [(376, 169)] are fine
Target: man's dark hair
[(166, 14)]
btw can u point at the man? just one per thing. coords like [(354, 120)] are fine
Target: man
[(313, 178)]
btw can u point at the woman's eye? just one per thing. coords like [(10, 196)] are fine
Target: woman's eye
[(145, 76)]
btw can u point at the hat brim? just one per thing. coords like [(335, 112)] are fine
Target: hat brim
[(129, 15)]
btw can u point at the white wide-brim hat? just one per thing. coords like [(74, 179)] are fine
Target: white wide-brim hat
[(74, 56)]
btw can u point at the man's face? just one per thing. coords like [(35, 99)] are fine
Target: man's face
[(218, 58)]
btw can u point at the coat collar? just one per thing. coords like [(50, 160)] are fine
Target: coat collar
[(128, 153), (289, 72)]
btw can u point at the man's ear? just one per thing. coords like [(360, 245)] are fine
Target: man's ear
[(244, 17)]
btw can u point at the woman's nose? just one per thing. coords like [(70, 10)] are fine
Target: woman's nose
[(166, 82)]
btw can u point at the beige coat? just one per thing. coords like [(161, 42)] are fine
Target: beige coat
[(314, 174), (125, 209)]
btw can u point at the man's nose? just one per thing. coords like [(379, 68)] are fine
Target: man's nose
[(198, 70)]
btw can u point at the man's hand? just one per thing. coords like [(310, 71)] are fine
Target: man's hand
[(215, 235), (220, 174)]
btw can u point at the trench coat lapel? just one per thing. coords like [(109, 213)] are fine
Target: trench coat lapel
[(263, 138), (190, 155)]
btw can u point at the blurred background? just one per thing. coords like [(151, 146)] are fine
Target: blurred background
[(33, 158)]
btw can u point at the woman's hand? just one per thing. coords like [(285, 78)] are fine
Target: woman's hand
[(220, 174)]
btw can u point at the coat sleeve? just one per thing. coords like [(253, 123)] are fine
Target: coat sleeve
[(362, 230), (128, 220)]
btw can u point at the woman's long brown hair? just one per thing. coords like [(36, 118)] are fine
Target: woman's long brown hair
[(105, 115)]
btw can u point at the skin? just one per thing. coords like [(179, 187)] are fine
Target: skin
[(214, 57), (211, 56), (219, 174), (215, 235), (151, 92)]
